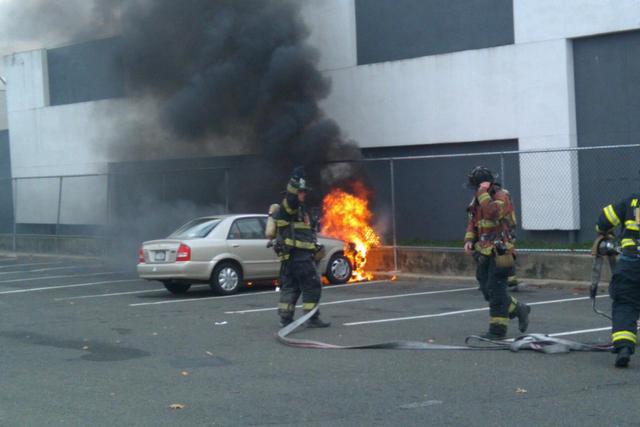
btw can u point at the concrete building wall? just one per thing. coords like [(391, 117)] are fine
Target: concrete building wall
[(333, 31), (524, 92), (539, 20)]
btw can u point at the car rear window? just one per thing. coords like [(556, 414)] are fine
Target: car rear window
[(197, 228)]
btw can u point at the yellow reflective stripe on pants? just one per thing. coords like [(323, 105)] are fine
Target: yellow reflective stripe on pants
[(610, 213), (499, 321), (513, 305), (299, 244), (631, 225), (308, 306), (286, 307), (624, 335), (627, 242), (301, 226)]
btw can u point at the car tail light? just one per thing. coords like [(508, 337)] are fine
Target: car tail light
[(184, 253), (141, 255)]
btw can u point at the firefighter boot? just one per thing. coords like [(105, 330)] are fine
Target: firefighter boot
[(316, 322), (522, 313), (623, 356), (496, 332), (285, 321)]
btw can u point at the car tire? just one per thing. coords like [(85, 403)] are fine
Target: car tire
[(339, 269), (176, 288), (226, 278)]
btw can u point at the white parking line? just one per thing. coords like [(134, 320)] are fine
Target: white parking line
[(452, 313), (582, 331), (61, 277), (116, 294), (256, 310), (76, 285), (39, 264), (199, 299), (373, 282), (40, 270), (111, 295)]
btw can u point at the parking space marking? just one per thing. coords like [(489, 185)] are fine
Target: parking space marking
[(582, 331), (61, 277), (110, 295), (200, 299), (38, 264), (453, 313), (116, 294), (346, 301), (76, 285), (40, 270), (372, 282)]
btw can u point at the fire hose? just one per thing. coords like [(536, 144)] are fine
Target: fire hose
[(602, 248), (536, 342)]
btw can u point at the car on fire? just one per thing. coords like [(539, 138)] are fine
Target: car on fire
[(226, 251)]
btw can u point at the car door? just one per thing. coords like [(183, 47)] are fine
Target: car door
[(247, 241)]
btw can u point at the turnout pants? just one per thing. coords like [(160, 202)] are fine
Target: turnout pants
[(299, 278), (493, 284), (625, 293)]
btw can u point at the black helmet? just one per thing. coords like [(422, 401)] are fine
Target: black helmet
[(480, 174), (299, 179)]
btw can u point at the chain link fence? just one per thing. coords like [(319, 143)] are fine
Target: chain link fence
[(419, 200)]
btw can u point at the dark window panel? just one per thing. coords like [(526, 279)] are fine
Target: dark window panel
[(389, 30), (84, 72)]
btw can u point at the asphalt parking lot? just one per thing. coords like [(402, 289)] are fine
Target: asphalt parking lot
[(88, 344)]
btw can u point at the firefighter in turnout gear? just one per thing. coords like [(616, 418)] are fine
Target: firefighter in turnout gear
[(488, 239), (296, 246), (624, 288)]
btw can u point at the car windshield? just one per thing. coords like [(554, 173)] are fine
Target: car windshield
[(197, 228)]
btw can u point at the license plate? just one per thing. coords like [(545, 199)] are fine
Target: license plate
[(160, 256)]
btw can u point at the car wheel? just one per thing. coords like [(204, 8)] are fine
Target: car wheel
[(339, 269), (226, 279), (176, 288)]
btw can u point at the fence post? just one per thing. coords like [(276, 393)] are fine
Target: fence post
[(226, 190), (393, 214), (502, 172), (58, 215), (108, 216), (14, 184)]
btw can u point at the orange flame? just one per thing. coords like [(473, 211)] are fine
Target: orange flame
[(346, 217)]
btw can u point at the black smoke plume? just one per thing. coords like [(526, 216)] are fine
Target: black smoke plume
[(237, 72), (239, 68)]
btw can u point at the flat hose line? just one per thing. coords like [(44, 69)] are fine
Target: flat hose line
[(536, 342)]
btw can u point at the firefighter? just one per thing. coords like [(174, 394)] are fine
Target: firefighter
[(489, 240), (296, 246), (624, 288)]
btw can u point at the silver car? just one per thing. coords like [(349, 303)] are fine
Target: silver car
[(226, 251)]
